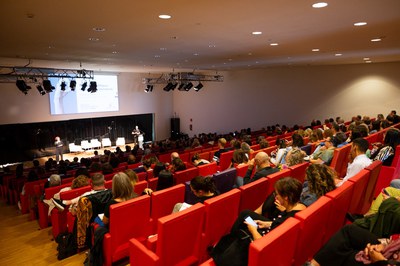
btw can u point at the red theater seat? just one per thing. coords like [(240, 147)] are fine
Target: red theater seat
[(178, 240), (360, 181), (221, 213), (253, 194), (277, 247), (186, 175), (207, 169), (129, 219), (273, 178), (299, 171)]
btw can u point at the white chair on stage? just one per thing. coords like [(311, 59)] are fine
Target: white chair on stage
[(120, 141), (106, 142), (85, 145), (74, 148), (95, 143)]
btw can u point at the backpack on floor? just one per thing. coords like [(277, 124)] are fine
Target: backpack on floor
[(66, 245)]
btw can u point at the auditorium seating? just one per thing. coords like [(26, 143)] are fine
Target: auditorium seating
[(360, 181), (374, 169), (178, 240), (275, 177), (225, 160), (253, 194), (299, 171), (277, 247), (186, 175), (221, 212), (340, 160), (225, 180), (207, 169), (163, 202), (313, 226), (385, 176), (129, 219)]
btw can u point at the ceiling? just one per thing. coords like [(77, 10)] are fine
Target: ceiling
[(200, 35)]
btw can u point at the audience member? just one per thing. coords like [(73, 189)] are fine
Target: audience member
[(222, 149), (263, 168)]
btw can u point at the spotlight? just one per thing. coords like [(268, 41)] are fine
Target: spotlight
[(149, 88), (84, 85), (198, 87), (47, 86), (72, 85), (170, 86), (181, 87), (63, 85), (22, 86), (188, 86), (40, 90), (92, 87)]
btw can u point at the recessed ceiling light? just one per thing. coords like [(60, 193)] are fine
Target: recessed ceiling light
[(94, 39), (274, 44), (157, 56), (250, 54), (366, 58), (114, 52), (212, 46), (357, 24), (320, 5), (164, 16), (230, 59), (338, 54), (376, 40), (368, 61), (99, 29), (315, 50), (163, 49), (256, 33)]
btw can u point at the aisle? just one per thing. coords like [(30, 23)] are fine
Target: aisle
[(22, 243)]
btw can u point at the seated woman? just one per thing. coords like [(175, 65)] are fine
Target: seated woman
[(197, 161), (122, 190), (278, 156), (287, 200), (239, 157), (386, 152), (203, 188)]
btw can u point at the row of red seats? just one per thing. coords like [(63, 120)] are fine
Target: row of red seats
[(299, 238)]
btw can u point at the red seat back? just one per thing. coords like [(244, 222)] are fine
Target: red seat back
[(277, 247), (127, 220), (314, 222), (142, 176), (207, 169), (275, 177), (163, 201), (253, 194), (385, 176), (140, 186), (225, 160), (186, 175), (299, 171), (360, 181), (341, 197), (241, 169), (221, 213), (340, 160), (374, 168), (165, 157)]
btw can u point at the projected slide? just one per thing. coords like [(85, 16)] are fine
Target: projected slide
[(105, 99)]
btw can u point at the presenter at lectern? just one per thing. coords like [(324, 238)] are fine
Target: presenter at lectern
[(135, 133), (59, 148)]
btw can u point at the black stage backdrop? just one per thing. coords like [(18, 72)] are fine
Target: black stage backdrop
[(21, 142)]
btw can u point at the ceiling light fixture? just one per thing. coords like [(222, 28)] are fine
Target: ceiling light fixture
[(99, 29), (320, 5), (94, 39), (315, 50), (274, 44), (366, 58), (63, 85), (376, 40), (149, 88), (198, 87), (256, 33), (92, 87), (72, 85), (84, 85), (40, 90), (47, 86), (22, 86), (165, 16), (338, 54), (358, 24), (188, 86)]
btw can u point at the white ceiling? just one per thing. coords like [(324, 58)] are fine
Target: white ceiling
[(206, 35)]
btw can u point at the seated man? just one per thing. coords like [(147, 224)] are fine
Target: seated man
[(263, 168), (358, 159), (325, 153), (97, 186), (222, 149)]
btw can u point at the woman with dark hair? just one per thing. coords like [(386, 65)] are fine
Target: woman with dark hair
[(197, 161), (386, 152), (278, 156)]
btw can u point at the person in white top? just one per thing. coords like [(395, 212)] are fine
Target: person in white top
[(358, 159)]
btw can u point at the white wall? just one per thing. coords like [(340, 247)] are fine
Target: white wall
[(289, 95), (251, 98), (16, 107)]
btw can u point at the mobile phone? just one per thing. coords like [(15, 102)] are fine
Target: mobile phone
[(250, 221)]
